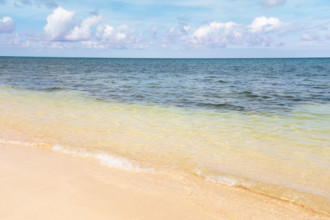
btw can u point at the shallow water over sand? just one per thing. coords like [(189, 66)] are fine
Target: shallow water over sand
[(282, 155)]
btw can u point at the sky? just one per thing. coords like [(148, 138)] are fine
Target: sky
[(165, 29)]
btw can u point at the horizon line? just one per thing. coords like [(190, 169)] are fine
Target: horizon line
[(100, 57)]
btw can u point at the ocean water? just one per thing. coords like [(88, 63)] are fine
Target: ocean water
[(259, 124)]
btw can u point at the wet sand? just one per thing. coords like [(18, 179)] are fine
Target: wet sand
[(42, 184)]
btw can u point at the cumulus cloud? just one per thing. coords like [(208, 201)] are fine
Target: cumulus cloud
[(110, 34), (110, 37), (217, 34), (259, 33), (272, 3), (59, 24), (6, 25), (84, 32), (264, 24), (63, 27)]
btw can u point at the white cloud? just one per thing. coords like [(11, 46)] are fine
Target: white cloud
[(6, 25), (264, 24), (111, 37), (110, 34), (59, 24), (259, 33), (63, 28), (272, 3), (84, 32), (114, 36), (217, 34)]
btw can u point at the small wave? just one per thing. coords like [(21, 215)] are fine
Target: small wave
[(51, 89), (226, 106), (224, 180), (35, 88), (249, 94), (316, 202), (318, 67), (228, 181), (105, 159)]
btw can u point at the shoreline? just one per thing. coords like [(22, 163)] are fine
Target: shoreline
[(41, 184)]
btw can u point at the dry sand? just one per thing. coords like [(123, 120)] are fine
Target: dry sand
[(41, 184)]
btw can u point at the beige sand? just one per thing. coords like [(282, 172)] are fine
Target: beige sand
[(41, 184)]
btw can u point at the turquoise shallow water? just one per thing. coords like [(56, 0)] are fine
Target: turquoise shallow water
[(261, 124)]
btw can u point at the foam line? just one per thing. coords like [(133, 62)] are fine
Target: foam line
[(105, 159)]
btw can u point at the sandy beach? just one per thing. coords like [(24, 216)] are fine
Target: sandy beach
[(40, 184), (153, 109)]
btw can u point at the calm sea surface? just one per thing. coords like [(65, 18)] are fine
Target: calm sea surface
[(261, 85), (262, 124)]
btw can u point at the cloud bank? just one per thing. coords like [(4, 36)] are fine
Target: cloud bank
[(63, 29), (93, 32)]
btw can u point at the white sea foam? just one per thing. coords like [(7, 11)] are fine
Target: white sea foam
[(226, 180), (105, 159)]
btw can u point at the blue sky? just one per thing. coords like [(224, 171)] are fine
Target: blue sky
[(151, 28)]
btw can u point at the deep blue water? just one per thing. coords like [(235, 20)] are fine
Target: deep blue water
[(262, 85)]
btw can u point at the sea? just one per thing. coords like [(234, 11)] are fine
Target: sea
[(258, 124)]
